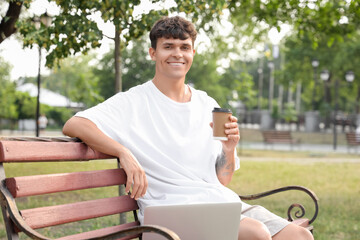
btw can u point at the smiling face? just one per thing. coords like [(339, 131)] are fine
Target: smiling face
[(173, 58)]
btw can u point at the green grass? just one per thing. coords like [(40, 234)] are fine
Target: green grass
[(336, 185)]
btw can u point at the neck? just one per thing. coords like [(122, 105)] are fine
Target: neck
[(175, 90)]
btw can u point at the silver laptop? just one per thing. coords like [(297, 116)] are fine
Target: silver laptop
[(209, 221)]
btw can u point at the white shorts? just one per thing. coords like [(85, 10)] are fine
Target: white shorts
[(273, 222)]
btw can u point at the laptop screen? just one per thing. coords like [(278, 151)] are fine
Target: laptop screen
[(205, 221)]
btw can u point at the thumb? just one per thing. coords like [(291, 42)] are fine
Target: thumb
[(211, 124)]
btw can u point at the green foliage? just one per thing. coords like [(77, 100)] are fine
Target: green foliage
[(136, 68), (204, 76), (75, 80), (59, 114), (337, 58), (7, 92), (289, 113), (75, 30), (236, 78), (25, 105), (333, 19)]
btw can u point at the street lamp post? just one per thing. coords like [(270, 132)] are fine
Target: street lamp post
[(335, 113), (349, 77), (271, 66), (315, 64), (44, 19), (324, 76)]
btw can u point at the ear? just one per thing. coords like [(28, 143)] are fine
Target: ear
[(152, 54), (194, 52)]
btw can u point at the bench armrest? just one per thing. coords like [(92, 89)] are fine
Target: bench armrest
[(8, 201), (299, 213)]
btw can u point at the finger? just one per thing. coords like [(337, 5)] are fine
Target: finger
[(232, 131), (233, 119), (211, 124), (145, 186), (233, 137), (135, 187), (231, 125), (128, 182)]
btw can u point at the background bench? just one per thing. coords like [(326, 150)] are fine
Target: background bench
[(28, 150), (352, 140), (273, 136)]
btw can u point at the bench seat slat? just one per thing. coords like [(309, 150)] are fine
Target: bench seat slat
[(101, 232), (60, 214), (303, 222), (47, 151), (50, 183)]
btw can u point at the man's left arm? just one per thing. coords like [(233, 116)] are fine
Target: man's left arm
[(226, 161)]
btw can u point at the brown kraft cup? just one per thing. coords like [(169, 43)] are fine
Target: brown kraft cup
[(220, 117)]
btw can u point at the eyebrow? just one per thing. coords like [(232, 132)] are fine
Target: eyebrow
[(172, 44)]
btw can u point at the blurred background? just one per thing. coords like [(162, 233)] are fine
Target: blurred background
[(278, 65), (284, 66)]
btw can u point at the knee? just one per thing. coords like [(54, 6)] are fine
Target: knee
[(301, 233), (262, 235), (304, 234), (253, 230)]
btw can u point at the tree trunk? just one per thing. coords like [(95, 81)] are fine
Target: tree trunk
[(118, 75), (298, 98), (118, 88), (7, 24), (357, 101), (261, 80)]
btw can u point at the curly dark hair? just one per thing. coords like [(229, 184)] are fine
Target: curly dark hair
[(172, 27)]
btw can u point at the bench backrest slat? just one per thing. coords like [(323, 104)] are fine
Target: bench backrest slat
[(352, 138), (27, 150), (33, 151), (60, 214), (51, 183), (277, 134)]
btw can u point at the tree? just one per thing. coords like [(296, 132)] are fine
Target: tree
[(335, 19), (8, 22), (74, 79), (136, 65), (203, 74), (7, 92), (75, 29)]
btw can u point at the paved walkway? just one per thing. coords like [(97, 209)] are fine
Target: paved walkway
[(299, 147), (302, 160)]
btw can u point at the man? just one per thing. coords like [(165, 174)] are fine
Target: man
[(160, 132)]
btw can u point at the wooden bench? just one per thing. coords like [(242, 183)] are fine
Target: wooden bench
[(273, 136), (34, 220), (352, 140)]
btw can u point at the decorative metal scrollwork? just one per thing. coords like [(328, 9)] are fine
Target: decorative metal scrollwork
[(298, 214)]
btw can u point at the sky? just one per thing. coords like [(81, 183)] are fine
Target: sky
[(25, 61)]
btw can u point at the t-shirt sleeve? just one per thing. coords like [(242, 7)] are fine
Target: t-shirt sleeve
[(108, 116)]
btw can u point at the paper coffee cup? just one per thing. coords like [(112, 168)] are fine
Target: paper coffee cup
[(220, 117)]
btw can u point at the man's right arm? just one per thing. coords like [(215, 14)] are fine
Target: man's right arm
[(90, 134)]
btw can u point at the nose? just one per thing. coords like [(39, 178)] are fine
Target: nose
[(177, 53)]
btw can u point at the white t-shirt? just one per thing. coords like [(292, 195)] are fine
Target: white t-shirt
[(172, 141)]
